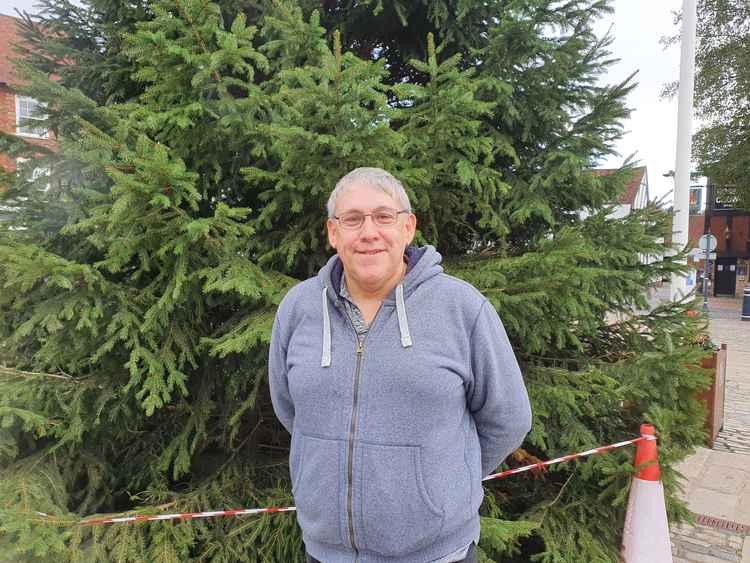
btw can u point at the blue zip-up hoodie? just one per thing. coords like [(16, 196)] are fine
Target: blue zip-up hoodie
[(390, 440)]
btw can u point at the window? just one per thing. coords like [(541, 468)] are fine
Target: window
[(33, 174), (30, 109)]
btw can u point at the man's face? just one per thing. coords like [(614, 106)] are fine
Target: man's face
[(371, 271)]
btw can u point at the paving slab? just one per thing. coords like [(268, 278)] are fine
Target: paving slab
[(743, 508), (692, 466), (708, 502), (725, 479)]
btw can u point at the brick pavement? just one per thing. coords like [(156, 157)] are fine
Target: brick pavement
[(725, 326), (705, 544)]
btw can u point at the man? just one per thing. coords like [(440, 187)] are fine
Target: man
[(398, 385)]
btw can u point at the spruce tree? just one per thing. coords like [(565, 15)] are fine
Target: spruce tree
[(194, 168)]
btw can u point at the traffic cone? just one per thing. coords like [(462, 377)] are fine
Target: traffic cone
[(646, 535)]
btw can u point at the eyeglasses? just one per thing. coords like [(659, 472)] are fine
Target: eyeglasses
[(383, 216)]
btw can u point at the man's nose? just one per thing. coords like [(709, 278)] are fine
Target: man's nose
[(368, 228)]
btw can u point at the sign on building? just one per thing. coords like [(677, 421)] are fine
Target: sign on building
[(696, 200)]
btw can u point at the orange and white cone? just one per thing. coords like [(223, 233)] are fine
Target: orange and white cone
[(646, 535)]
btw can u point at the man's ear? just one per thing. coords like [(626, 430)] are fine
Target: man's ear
[(411, 227), (331, 228)]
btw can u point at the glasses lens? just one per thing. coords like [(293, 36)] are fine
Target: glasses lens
[(351, 220), (385, 216)]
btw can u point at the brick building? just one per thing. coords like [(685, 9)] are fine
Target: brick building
[(731, 227), (14, 107)]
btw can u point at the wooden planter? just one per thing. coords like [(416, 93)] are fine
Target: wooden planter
[(713, 397)]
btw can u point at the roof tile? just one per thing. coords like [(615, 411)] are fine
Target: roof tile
[(631, 190)]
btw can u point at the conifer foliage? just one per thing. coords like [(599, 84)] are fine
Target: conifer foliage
[(199, 143)]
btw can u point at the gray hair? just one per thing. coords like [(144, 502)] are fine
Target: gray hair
[(374, 178)]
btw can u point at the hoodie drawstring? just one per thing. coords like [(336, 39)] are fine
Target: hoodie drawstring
[(403, 324), (325, 360)]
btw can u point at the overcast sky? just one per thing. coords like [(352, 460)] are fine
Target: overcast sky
[(637, 26)]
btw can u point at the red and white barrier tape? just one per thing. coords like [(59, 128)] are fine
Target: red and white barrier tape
[(184, 515), (570, 457), (243, 511)]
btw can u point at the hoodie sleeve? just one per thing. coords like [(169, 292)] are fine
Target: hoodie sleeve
[(277, 370), (497, 399)]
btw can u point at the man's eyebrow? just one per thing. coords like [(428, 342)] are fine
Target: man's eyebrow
[(378, 208), (362, 211)]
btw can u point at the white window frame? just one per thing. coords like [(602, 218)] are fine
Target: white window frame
[(36, 172), (27, 131)]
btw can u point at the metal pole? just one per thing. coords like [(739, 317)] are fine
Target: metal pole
[(684, 140), (706, 266), (707, 231)]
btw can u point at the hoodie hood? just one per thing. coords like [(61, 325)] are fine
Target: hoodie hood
[(423, 263)]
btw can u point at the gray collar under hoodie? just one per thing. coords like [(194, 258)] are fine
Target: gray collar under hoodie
[(422, 264)]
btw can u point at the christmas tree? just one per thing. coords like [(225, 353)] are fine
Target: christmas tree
[(199, 143)]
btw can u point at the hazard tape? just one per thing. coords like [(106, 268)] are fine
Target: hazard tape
[(184, 515), (244, 511), (570, 457)]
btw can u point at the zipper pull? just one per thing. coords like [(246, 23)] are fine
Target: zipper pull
[(360, 347)]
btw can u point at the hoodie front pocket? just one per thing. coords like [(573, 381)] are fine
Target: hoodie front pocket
[(316, 489), (399, 516)]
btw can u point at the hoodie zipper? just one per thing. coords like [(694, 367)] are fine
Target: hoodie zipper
[(352, 431), (353, 425)]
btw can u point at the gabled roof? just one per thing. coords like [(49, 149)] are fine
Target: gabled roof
[(634, 183), (10, 34)]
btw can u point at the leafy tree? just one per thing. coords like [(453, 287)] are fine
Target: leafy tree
[(722, 95), (194, 167)]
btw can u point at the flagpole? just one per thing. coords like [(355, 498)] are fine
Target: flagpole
[(682, 285)]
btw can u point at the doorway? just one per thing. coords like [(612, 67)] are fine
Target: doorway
[(726, 276)]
